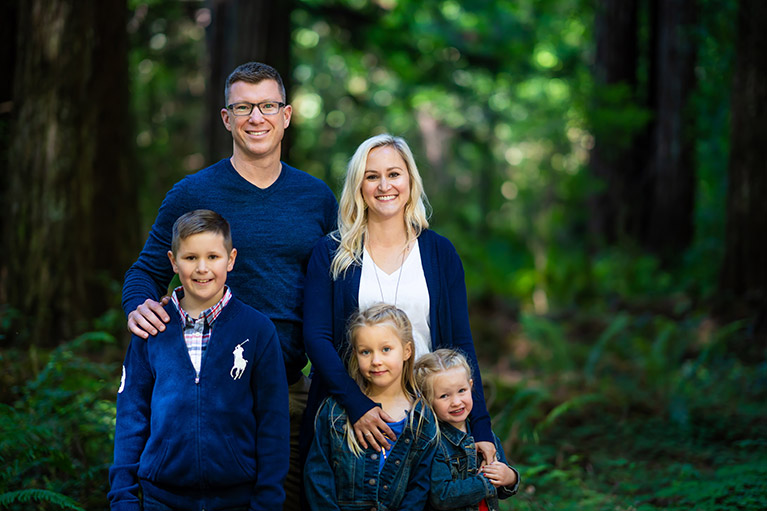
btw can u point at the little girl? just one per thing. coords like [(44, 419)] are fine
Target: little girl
[(444, 377), (339, 472)]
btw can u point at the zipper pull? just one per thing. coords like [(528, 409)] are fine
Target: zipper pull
[(196, 380)]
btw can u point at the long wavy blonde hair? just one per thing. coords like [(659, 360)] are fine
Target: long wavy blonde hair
[(353, 212), (382, 314)]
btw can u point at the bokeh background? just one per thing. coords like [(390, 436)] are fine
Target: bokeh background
[(598, 164)]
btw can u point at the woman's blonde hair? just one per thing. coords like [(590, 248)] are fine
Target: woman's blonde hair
[(434, 363), (352, 210), (387, 316)]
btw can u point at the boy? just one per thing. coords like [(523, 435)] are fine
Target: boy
[(202, 409)]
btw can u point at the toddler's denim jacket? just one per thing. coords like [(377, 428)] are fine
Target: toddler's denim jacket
[(336, 479), (455, 481)]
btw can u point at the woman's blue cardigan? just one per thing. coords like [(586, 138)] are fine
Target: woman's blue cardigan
[(329, 303)]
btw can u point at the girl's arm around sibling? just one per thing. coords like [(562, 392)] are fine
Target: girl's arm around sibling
[(418, 487)]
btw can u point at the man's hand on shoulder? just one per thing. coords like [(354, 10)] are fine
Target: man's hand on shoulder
[(148, 318)]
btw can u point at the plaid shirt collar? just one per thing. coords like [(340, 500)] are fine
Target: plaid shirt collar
[(210, 314)]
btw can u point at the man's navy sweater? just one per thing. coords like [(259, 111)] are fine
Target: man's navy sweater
[(228, 430), (273, 229)]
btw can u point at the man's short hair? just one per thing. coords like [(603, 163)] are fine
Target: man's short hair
[(198, 222), (254, 72)]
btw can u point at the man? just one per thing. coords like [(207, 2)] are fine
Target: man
[(277, 213)]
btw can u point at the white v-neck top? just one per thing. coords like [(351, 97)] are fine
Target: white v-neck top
[(412, 295)]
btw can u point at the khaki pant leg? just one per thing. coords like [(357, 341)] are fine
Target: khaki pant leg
[(297, 394)]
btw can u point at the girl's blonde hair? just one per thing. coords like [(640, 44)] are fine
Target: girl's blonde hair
[(432, 364), (352, 210), (387, 316)]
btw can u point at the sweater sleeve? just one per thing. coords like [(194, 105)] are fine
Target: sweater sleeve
[(150, 275), (504, 492), (462, 340), (270, 391), (319, 478), (319, 314), (134, 402)]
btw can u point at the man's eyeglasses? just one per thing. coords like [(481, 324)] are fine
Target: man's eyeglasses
[(265, 107)]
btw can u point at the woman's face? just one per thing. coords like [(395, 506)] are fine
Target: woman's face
[(386, 184)]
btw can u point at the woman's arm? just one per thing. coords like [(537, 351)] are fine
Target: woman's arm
[(319, 314), (462, 339)]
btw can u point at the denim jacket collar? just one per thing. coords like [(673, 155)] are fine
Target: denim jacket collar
[(454, 435)]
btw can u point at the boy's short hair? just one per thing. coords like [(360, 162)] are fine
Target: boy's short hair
[(198, 222), (254, 72)]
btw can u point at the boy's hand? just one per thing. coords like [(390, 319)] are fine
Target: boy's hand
[(148, 318), (487, 452), (499, 474)]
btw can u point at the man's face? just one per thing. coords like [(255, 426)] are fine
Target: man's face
[(256, 136)]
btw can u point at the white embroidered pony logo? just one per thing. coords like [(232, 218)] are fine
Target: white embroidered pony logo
[(239, 363)]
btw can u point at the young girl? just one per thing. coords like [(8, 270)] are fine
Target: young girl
[(342, 473), (457, 482)]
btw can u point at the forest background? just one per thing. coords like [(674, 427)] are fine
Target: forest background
[(598, 164)]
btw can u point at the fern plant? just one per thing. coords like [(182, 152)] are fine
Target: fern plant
[(57, 437)]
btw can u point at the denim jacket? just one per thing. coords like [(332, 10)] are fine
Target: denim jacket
[(336, 479), (455, 481)]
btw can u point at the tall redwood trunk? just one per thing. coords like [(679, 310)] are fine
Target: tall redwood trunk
[(243, 31), (615, 162), (71, 227), (743, 278), (671, 167)]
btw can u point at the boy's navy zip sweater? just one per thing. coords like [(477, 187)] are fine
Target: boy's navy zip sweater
[(213, 436)]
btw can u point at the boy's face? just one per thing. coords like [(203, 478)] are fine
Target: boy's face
[(452, 397), (202, 263)]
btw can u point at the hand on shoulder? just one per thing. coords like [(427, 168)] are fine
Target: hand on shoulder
[(149, 318)]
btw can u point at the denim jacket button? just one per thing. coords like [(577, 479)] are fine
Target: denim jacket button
[(372, 482), (407, 440), (372, 509), (396, 462), (373, 456), (386, 487)]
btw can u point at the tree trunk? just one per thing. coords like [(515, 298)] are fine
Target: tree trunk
[(243, 31), (72, 228), (614, 158), (743, 278), (672, 164)]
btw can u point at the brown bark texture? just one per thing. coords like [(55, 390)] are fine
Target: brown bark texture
[(243, 31), (743, 278), (72, 225)]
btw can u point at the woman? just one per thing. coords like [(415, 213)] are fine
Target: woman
[(384, 252)]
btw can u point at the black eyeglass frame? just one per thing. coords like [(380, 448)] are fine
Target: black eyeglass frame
[(253, 105)]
